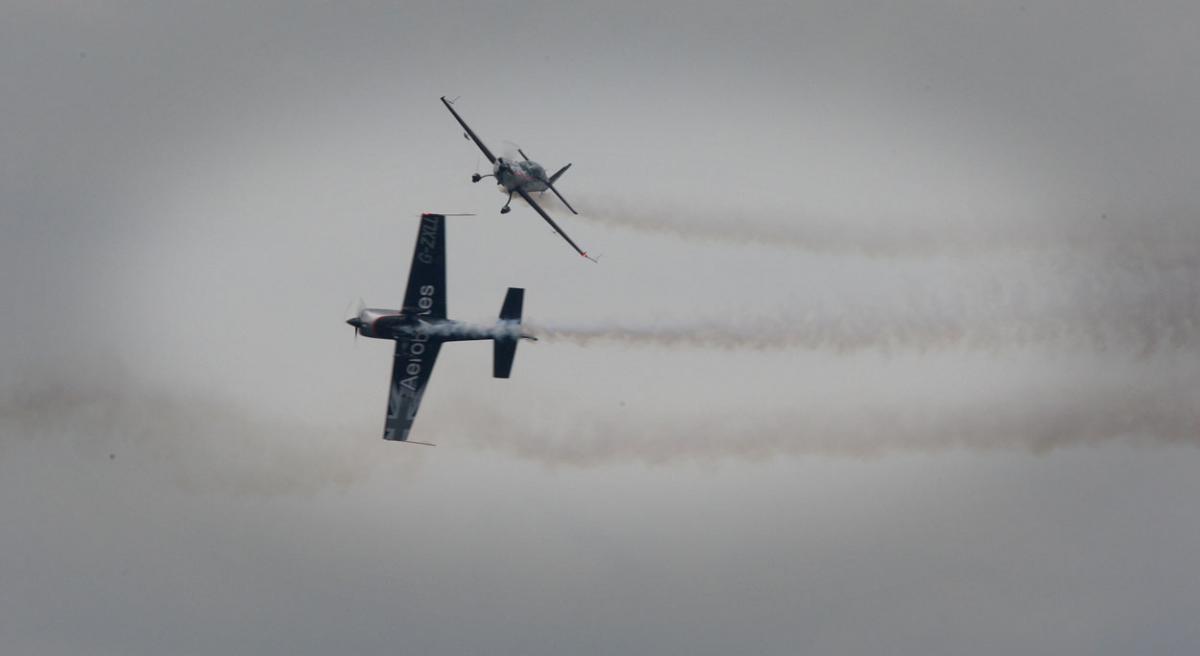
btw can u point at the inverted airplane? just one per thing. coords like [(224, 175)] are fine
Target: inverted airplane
[(420, 327), (520, 178)]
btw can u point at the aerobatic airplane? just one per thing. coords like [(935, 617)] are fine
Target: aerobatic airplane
[(520, 178), (420, 327)]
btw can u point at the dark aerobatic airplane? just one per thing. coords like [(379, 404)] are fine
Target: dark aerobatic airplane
[(421, 326), (520, 178)]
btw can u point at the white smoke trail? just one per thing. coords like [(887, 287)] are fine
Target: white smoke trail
[(1164, 240), (1141, 319)]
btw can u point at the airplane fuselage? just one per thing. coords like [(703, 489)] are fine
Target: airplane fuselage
[(514, 175), (380, 323)]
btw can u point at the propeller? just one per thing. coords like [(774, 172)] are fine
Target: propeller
[(512, 151), (353, 313)]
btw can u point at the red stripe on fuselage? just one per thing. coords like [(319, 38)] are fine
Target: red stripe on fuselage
[(380, 318)]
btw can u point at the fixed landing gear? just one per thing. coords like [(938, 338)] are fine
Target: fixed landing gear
[(476, 177), (505, 209)]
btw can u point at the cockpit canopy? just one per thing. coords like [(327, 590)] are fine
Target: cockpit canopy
[(533, 170)]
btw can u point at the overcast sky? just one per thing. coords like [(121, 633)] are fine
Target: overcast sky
[(894, 346)]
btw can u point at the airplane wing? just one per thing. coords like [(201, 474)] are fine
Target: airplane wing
[(411, 369), (486, 153), (528, 199), (426, 294)]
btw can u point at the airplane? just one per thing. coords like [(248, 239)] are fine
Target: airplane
[(520, 178), (420, 327)]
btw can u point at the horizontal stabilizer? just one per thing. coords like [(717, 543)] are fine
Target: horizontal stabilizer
[(504, 349), (513, 300), (554, 178)]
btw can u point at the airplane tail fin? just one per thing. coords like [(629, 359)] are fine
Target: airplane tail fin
[(504, 349)]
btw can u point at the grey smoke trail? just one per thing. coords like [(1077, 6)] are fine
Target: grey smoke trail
[(199, 441), (1163, 414), (1165, 240), (212, 444)]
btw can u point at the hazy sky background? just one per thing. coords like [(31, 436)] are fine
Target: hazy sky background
[(894, 346)]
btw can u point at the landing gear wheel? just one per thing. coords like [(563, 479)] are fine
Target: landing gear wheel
[(476, 178), (504, 210)]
